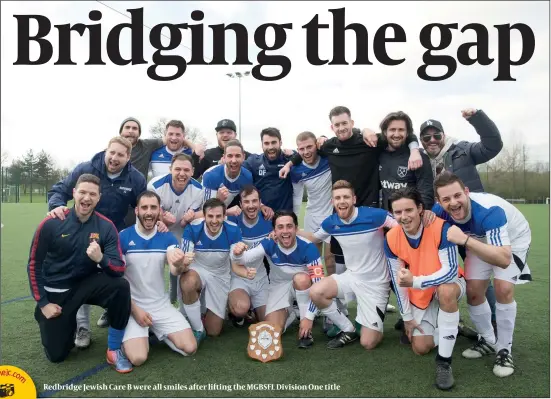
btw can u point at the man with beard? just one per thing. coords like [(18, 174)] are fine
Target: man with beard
[(206, 283), (461, 158), (75, 261), (121, 184), (181, 196), (353, 160), (429, 289), (295, 267), (500, 242), (254, 229), (225, 181), (360, 233), (176, 143), (225, 131), (276, 193), (393, 162), (146, 251)]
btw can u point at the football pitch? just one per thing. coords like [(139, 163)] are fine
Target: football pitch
[(221, 367)]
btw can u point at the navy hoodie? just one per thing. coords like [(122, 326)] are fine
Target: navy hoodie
[(58, 257), (116, 194)]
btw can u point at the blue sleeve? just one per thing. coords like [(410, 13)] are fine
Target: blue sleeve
[(209, 181), (123, 239), (171, 240), (233, 219), (438, 210), (140, 185), (495, 219), (249, 164), (295, 175), (388, 252), (235, 235), (312, 253), (268, 245), (444, 243), (188, 234), (62, 191)]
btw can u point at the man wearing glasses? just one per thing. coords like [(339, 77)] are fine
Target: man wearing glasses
[(461, 158)]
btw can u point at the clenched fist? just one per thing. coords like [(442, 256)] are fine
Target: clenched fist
[(94, 252), (187, 218), (51, 310), (188, 258), (169, 218), (467, 113), (239, 248), (456, 236), (222, 193), (251, 273), (405, 278), (175, 257)]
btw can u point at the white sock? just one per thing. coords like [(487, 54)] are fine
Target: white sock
[(481, 316), (83, 317), (193, 312), (342, 306), (340, 268), (303, 301), (340, 320), (290, 318), (173, 347), (447, 332), (505, 320)]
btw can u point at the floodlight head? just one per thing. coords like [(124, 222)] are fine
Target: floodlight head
[(247, 73), (239, 75), (230, 75)]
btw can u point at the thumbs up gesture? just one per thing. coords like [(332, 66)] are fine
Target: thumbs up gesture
[(405, 278), (222, 193)]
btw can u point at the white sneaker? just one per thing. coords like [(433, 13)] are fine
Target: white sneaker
[(390, 308), (503, 366), (479, 349), (102, 321), (82, 339)]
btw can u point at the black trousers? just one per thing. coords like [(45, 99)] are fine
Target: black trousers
[(58, 333)]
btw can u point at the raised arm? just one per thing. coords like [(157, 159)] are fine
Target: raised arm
[(490, 139), (240, 253)]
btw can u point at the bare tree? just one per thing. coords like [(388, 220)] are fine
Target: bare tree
[(5, 158)]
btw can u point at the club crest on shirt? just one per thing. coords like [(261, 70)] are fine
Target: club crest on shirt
[(94, 237), (402, 171)]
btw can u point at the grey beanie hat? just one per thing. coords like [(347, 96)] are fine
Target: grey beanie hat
[(131, 120)]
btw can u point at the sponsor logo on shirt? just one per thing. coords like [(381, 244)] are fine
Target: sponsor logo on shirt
[(336, 151), (127, 189), (392, 185)]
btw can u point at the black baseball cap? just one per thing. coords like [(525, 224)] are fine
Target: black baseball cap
[(431, 123), (226, 124)]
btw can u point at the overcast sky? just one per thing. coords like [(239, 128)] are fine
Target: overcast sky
[(72, 111)]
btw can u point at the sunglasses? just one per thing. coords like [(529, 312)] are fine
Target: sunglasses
[(428, 137)]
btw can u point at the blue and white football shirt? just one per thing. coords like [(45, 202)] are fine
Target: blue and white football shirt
[(145, 258), (177, 202), (317, 181), (216, 177), (211, 253), (362, 241), (161, 159), (252, 235)]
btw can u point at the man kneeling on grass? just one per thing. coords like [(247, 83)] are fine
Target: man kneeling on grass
[(77, 261), (146, 251)]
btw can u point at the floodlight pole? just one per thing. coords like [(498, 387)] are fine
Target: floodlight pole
[(239, 75)]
